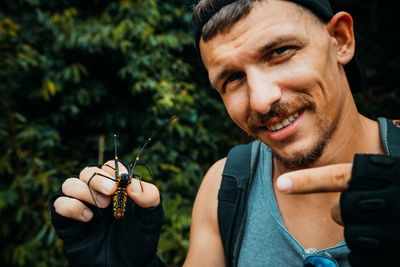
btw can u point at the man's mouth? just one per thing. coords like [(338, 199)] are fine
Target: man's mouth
[(284, 123)]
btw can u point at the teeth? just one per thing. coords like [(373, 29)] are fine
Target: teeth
[(283, 123), (278, 126)]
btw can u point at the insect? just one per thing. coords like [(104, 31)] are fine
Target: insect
[(120, 196)]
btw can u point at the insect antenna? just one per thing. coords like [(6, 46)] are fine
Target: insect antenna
[(116, 156), (147, 142)]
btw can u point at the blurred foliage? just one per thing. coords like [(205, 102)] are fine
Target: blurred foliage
[(73, 72)]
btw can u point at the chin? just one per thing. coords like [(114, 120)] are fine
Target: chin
[(304, 157)]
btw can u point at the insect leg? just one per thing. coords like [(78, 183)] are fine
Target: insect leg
[(148, 170), (111, 167), (140, 180), (90, 190)]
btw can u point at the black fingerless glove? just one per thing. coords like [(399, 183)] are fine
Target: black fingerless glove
[(104, 241), (370, 211)]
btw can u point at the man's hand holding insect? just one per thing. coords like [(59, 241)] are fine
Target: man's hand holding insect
[(98, 233), (368, 208), (102, 188), (87, 230)]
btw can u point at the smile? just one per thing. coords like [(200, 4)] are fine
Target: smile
[(284, 123)]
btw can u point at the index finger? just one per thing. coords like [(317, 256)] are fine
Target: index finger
[(331, 178)]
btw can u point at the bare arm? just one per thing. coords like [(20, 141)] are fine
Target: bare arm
[(205, 248)]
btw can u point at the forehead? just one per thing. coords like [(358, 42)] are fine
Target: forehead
[(267, 20)]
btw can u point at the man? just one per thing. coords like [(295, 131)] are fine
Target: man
[(282, 69)]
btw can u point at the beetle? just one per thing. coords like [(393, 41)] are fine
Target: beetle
[(120, 196)]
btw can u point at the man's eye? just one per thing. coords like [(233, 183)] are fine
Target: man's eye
[(234, 77), (280, 51), (281, 54)]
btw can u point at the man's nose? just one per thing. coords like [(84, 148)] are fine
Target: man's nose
[(263, 91)]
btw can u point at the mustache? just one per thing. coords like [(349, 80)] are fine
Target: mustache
[(280, 109)]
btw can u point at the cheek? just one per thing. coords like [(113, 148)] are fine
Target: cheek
[(237, 105), (301, 77), (316, 80)]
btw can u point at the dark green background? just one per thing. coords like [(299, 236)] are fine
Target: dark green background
[(72, 71)]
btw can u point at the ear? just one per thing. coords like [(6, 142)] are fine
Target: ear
[(340, 27)]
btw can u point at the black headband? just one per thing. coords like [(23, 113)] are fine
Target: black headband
[(321, 8)]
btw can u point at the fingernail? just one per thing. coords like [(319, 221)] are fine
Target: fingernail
[(86, 214), (101, 199), (284, 184)]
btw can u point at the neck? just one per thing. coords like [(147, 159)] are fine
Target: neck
[(353, 133)]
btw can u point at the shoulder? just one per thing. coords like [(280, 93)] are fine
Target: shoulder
[(206, 202), (205, 248), (212, 179)]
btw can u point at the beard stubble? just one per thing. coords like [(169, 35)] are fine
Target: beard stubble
[(306, 157)]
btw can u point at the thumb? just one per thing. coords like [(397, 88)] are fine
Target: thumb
[(144, 194)]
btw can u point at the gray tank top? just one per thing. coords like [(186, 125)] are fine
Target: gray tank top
[(266, 241)]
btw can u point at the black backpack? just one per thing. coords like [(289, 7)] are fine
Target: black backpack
[(238, 176)]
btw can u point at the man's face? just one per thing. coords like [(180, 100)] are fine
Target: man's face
[(276, 71)]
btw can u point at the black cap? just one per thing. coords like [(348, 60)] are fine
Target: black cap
[(321, 8)]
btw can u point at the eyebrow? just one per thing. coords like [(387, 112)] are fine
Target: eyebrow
[(263, 49)]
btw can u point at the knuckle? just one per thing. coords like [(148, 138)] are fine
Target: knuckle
[(306, 184), (109, 162), (108, 165), (339, 179), (87, 172), (68, 185)]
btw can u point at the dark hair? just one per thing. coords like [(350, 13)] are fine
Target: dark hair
[(222, 20)]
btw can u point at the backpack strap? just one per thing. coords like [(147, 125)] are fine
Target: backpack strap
[(238, 176), (390, 134), (233, 193)]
